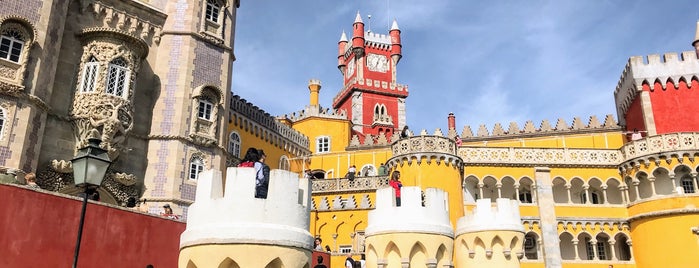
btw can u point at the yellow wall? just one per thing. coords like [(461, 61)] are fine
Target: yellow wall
[(433, 175), (339, 162), (243, 255), (417, 247), (479, 242), (260, 141), (337, 130), (665, 241)]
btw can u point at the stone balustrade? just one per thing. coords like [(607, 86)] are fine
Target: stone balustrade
[(344, 185)]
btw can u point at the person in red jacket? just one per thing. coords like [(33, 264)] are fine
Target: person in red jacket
[(396, 184)]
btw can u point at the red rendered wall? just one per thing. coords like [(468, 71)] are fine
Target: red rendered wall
[(634, 116), (40, 229), (675, 110), (369, 102)]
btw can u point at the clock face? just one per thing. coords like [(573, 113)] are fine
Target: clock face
[(377, 63), (350, 68)]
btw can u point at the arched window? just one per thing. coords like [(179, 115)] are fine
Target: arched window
[(284, 163), (118, 78), (530, 246), (11, 45), (89, 78), (213, 9), (322, 144), (196, 166), (234, 144), (205, 108), (687, 184), (367, 170)]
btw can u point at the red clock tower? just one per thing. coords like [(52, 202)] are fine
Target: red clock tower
[(374, 101)]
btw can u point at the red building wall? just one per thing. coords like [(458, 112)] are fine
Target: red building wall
[(675, 109), (370, 101), (39, 229), (634, 116)]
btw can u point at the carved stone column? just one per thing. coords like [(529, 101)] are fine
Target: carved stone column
[(575, 248), (594, 250), (499, 187), (674, 183), (431, 263), (480, 189), (612, 249), (635, 185), (517, 192), (568, 192), (604, 194), (652, 185), (695, 183), (405, 263), (587, 194)]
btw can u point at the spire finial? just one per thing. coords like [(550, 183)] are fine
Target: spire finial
[(343, 37), (358, 18), (394, 26)]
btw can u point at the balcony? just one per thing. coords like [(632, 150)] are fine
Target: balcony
[(335, 185)]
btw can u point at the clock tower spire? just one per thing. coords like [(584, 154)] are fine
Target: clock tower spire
[(374, 101)]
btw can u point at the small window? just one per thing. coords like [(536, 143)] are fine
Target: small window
[(89, 78), (205, 108), (284, 163), (589, 249), (11, 45), (344, 249), (196, 166), (687, 185), (323, 144), (2, 121), (212, 10), (118, 78), (234, 144)]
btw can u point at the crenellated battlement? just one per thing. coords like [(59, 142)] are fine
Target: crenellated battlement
[(504, 216), (370, 84), (429, 215), (259, 117), (235, 216), (669, 67), (529, 129), (372, 37), (315, 111)]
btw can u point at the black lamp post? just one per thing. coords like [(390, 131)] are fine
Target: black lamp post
[(89, 167)]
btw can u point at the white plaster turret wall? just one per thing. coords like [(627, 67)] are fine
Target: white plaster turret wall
[(236, 229), (490, 236), (411, 235)]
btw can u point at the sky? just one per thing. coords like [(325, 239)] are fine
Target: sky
[(487, 62)]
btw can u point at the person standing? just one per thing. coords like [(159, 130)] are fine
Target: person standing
[(349, 262), (320, 263), (396, 184), (30, 178), (262, 177), (382, 170), (351, 172)]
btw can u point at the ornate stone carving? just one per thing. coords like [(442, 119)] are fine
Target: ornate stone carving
[(109, 115), (528, 156), (7, 72), (125, 179), (62, 166)]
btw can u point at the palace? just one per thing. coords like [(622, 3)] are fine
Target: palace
[(152, 78)]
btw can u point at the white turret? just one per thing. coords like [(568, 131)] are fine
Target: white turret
[(394, 233), (224, 226)]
